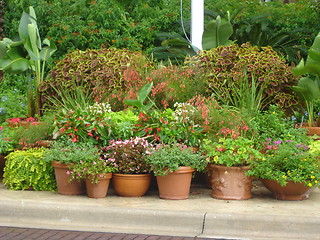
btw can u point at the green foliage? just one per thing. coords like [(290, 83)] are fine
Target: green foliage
[(69, 152), (175, 84), (95, 124), (289, 159), (226, 67), (230, 151), (308, 87), (25, 169), (7, 139), (27, 55), (85, 24), (12, 105), (168, 158), (108, 73), (273, 124)]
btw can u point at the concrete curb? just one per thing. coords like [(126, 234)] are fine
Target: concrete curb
[(104, 219), (163, 222)]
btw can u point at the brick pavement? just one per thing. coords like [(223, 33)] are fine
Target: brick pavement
[(13, 233)]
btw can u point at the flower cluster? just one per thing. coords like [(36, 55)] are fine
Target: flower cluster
[(287, 159), (94, 169), (128, 155)]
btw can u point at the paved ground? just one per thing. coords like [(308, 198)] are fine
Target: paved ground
[(11, 233)]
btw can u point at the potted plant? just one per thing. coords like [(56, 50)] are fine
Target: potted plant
[(229, 158), (173, 166), (63, 153), (290, 167), (308, 86), (28, 170), (96, 172), (133, 177)]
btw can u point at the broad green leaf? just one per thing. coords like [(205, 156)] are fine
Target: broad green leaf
[(144, 92), (133, 102), (17, 66), (308, 88), (47, 51)]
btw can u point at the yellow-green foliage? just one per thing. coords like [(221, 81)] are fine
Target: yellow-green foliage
[(28, 169)]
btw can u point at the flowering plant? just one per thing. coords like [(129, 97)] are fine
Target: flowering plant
[(96, 124), (286, 159), (93, 168), (128, 155), (171, 126), (168, 158), (231, 152)]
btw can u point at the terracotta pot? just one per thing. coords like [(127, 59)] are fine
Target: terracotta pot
[(21, 123), (311, 130), (175, 185), (131, 185), (230, 183), (291, 191), (99, 189), (65, 186)]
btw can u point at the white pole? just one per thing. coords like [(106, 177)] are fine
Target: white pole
[(197, 22)]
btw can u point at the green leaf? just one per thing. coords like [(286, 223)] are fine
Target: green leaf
[(47, 51), (144, 92), (308, 88)]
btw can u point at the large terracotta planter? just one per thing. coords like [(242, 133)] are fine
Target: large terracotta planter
[(175, 185), (131, 185), (291, 191), (230, 183), (99, 189), (64, 185), (311, 130)]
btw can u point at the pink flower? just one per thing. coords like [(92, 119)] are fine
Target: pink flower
[(1, 128), (68, 172)]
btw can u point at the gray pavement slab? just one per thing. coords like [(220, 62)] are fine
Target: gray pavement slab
[(261, 217)]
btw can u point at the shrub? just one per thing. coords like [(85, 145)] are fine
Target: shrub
[(227, 67), (25, 169), (105, 72)]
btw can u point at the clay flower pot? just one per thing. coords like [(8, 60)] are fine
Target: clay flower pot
[(131, 185), (64, 185), (230, 183), (99, 189), (291, 191), (175, 185)]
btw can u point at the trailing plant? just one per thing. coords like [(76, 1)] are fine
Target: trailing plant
[(228, 67), (168, 158), (28, 169)]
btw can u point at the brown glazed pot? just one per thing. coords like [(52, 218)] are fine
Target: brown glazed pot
[(65, 186), (310, 130), (99, 189), (175, 185), (230, 183), (131, 185), (291, 191)]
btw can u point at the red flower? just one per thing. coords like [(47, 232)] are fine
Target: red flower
[(15, 120)]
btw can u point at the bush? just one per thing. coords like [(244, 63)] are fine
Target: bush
[(226, 68), (25, 169), (104, 72)]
